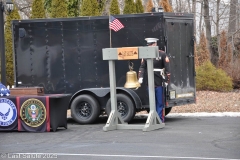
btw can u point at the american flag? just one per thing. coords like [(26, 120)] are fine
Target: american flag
[(115, 24)]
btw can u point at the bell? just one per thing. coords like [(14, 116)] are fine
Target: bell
[(131, 81)]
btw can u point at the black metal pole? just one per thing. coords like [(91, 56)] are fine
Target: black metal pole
[(2, 45)]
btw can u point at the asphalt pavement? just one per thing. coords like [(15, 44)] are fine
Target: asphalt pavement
[(183, 137)]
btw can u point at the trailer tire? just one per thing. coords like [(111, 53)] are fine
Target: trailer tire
[(168, 110), (85, 109), (125, 107)]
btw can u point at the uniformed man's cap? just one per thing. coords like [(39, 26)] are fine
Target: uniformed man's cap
[(151, 40)]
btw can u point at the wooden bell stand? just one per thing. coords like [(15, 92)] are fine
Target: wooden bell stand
[(115, 120)]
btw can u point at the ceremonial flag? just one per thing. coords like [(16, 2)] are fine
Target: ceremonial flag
[(115, 24)]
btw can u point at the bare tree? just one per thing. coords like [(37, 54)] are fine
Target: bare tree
[(105, 11), (218, 19), (121, 5), (189, 6), (232, 19), (170, 1), (24, 8), (194, 12), (181, 5), (177, 6), (200, 17), (207, 25)]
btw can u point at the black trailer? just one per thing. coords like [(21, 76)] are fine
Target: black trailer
[(65, 56)]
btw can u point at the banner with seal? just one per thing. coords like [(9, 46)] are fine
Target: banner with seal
[(34, 114), (8, 114)]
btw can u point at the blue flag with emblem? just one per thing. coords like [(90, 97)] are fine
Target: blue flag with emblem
[(4, 91)]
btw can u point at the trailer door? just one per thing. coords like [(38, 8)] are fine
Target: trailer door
[(180, 49)]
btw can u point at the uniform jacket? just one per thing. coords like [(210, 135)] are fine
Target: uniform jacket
[(158, 63)]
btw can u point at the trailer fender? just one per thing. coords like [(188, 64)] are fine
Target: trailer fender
[(96, 92), (136, 99)]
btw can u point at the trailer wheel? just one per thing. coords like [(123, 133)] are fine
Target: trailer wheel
[(85, 109), (125, 107), (168, 110)]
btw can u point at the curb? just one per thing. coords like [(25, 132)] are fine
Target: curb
[(196, 114), (199, 114), (205, 114)]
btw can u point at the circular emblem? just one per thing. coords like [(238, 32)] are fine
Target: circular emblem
[(33, 112), (8, 112)]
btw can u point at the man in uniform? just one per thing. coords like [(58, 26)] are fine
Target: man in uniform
[(161, 75)]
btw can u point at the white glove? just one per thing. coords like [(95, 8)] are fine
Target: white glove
[(140, 80)]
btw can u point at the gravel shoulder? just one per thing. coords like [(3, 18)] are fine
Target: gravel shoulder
[(209, 101)]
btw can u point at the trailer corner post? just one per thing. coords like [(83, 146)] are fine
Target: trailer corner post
[(115, 120)]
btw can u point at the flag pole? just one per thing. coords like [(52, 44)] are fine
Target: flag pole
[(110, 29)]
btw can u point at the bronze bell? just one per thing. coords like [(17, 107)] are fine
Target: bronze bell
[(131, 79)]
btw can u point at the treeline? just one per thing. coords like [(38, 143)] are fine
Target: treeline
[(75, 8)]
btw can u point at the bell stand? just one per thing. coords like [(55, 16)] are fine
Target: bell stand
[(115, 120)]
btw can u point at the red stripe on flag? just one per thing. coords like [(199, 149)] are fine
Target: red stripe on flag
[(115, 24)]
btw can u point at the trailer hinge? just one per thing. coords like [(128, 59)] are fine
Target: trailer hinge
[(193, 40), (165, 39), (190, 55)]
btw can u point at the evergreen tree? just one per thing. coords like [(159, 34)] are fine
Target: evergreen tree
[(89, 8), (139, 6), (149, 6), (222, 62), (101, 5), (208, 77), (203, 51), (73, 8), (129, 7), (59, 9), (9, 46), (225, 59), (114, 7), (166, 5), (47, 7), (38, 9), (196, 56)]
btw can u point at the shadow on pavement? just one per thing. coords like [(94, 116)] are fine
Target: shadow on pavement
[(138, 119)]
